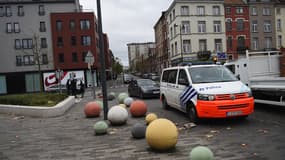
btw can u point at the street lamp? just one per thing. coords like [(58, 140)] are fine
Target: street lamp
[(181, 43)]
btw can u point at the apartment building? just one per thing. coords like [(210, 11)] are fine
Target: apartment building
[(161, 42), (262, 28), (280, 24), (196, 30), (237, 28), (25, 40)]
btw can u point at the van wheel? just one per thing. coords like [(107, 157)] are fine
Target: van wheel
[(192, 114), (164, 104)]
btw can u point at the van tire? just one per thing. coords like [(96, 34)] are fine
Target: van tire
[(164, 104), (192, 113)]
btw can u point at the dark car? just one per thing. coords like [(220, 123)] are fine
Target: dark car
[(153, 76), (143, 88), (127, 78)]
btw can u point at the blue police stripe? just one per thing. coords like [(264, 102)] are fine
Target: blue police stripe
[(187, 95)]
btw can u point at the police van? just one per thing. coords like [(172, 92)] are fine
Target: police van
[(205, 91)]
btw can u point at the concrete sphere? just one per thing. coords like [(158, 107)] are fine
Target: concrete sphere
[(138, 108), (123, 105), (128, 101), (161, 134), (138, 130), (201, 153), (117, 115), (100, 127), (100, 103), (92, 109), (150, 117), (111, 96), (122, 97)]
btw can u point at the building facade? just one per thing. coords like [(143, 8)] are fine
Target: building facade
[(262, 28), (196, 30), (280, 24), (161, 43), (26, 40), (237, 28)]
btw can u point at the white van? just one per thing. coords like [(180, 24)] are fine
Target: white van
[(205, 91)]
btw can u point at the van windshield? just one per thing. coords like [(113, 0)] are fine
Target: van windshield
[(211, 74)]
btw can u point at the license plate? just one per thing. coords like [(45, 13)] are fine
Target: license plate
[(234, 113), (155, 92)]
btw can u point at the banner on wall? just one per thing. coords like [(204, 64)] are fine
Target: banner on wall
[(51, 82)]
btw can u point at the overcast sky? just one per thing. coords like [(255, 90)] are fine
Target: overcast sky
[(128, 21)]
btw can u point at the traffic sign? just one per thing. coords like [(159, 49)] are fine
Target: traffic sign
[(89, 58)]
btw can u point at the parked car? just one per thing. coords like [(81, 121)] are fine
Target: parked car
[(143, 88), (127, 78), (145, 76), (153, 76)]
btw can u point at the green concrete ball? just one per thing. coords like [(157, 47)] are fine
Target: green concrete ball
[(201, 153), (100, 104), (122, 97), (112, 93), (100, 127)]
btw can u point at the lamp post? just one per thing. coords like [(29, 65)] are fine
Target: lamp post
[(181, 43), (102, 57)]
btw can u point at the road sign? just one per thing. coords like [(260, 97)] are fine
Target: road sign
[(222, 55), (89, 58)]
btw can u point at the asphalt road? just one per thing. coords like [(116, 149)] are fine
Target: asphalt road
[(71, 136)]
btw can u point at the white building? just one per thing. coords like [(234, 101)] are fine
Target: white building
[(195, 27), (280, 25)]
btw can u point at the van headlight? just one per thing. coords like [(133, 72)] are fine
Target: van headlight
[(206, 97)]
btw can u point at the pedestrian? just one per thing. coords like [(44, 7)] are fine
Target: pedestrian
[(82, 88), (68, 86), (73, 87)]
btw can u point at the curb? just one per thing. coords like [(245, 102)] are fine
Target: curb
[(37, 111)]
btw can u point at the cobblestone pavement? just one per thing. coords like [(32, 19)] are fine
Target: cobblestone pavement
[(71, 136)]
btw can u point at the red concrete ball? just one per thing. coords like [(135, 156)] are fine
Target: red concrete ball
[(92, 109), (138, 108)]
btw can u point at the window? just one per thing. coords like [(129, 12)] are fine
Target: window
[(86, 40), (230, 43), (175, 48), (18, 60), (9, 27), (267, 26), (186, 46), (254, 43), (240, 25), (41, 10), (84, 24), (73, 40), (83, 56), (279, 41), (2, 11), (217, 26), (20, 11), (172, 76), (278, 11), (42, 26), (8, 11), (241, 42), (17, 44), (268, 42), (58, 25), (72, 25), (239, 10), (216, 10), (201, 26), (60, 58), (253, 11), (74, 57), (16, 27), (185, 29), (172, 50), (266, 11), (59, 41), (200, 10), (173, 13), (43, 43), (182, 77), (202, 45), (278, 24), (184, 10), (170, 17), (29, 60), (44, 59), (229, 24), (228, 10), (27, 43), (218, 45), (254, 26), (171, 32)]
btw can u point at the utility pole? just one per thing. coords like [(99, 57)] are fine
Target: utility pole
[(102, 57)]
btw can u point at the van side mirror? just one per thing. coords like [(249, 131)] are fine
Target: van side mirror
[(238, 77), (183, 81)]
